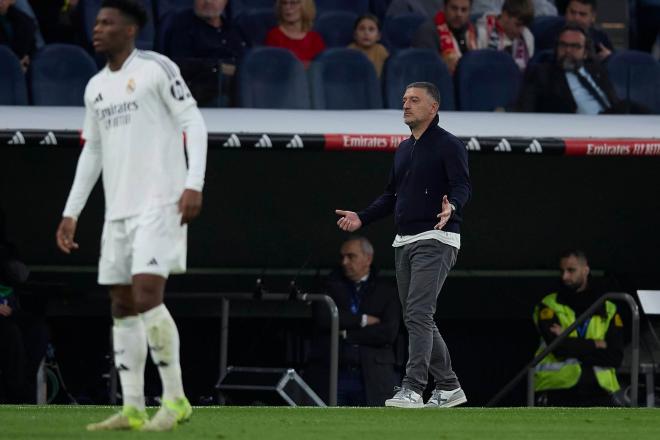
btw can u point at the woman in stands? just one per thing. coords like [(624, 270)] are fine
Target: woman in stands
[(294, 30)]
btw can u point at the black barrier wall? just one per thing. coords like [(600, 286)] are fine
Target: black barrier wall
[(275, 209)]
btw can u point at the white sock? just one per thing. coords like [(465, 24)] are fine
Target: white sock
[(163, 338), (130, 348)]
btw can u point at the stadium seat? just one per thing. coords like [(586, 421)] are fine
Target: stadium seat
[(542, 56), (59, 73), (239, 7), (398, 31), (270, 77), (636, 76), (486, 79), (145, 40), (358, 7), (336, 28), (255, 24), (164, 7), (545, 30), (12, 87), (410, 65), (344, 79)]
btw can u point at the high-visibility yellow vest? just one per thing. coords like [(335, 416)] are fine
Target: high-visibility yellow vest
[(561, 373)]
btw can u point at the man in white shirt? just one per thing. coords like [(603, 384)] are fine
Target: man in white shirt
[(137, 110)]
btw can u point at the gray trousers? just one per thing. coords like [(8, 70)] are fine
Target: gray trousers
[(421, 270)]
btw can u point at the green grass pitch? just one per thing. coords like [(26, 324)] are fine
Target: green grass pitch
[(265, 423)]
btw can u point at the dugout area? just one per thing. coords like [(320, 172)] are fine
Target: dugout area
[(270, 210)]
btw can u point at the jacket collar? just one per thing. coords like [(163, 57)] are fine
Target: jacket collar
[(434, 123)]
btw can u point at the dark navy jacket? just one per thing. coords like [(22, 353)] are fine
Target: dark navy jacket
[(424, 170)]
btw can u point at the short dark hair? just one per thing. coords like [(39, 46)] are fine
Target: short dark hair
[(577, 253), (430, 88), (523, 10), (371, 17), (129, 8), (592, 3), (574, 27)]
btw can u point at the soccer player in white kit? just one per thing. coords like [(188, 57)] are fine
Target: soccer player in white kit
[(137, 109)]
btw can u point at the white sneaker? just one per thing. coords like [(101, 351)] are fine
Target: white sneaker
[(405, 398), (446, 399)]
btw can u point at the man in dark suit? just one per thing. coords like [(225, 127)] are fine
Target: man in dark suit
[(369, 321), (573, 83)]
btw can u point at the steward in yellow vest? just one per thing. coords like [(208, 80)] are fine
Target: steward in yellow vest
[(581, 371)]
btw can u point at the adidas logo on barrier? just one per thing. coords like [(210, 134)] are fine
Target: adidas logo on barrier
[(264, 142), (17, 139), (232, 142), (534, 147), (473, 145), (296, 142), (503, 146), (49, 139)]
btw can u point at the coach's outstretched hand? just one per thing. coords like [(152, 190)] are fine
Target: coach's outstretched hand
[(349, 221), (444, 214), (190, 205), (64, 235)]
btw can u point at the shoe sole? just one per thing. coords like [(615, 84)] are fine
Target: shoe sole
[(451, 404), (403, 404)]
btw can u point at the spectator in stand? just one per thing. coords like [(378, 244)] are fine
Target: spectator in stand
[(294, 30), (60, 21), (583, 12), (573, 83), (451, 32), (203, 32), (424, 7), (541, 7), (366, 37), (17, 30), (508, 31)]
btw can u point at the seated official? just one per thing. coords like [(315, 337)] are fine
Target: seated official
[(573, 83), (581, 371), (369, 321)]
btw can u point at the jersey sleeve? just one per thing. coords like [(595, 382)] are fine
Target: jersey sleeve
[(172, 88), (91, 132)]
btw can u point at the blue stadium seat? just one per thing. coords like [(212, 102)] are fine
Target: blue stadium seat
[(59, 74), (358, 7), (636, 76), (542, 56), (486, 79), (164, 7), (336, 28), (344, 79), (546, 30), (145, 40), (398, 31), (255, 24), (239, 7), (270, 77), (12, 87), (411, 65)]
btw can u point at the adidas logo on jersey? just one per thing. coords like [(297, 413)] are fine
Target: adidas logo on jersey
[(232, 142), (17, 139), (49, 139), (503, 146), (264, 142), (295, 142), (534, 147), (99, 98), (152, 262)]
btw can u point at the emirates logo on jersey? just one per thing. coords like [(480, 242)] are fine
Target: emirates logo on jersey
[(130, 87)]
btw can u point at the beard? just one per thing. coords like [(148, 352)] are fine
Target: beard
[(570, 64)]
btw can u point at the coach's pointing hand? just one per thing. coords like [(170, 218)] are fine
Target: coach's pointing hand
[(64, 235), (349, 221), (190, 205)]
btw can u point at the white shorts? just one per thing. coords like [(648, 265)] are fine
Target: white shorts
[(153, 242)]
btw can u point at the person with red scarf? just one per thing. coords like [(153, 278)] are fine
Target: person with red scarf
[(450, 32)]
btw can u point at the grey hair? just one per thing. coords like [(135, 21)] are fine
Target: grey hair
[(430, 88), (365, 244)]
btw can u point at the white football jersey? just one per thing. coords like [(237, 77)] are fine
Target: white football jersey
[(132, 113)]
